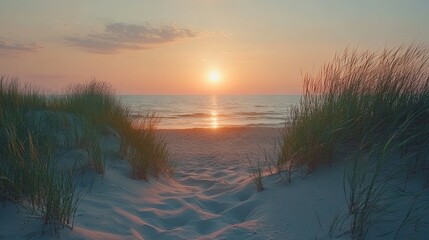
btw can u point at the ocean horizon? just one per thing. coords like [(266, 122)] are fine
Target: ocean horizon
[(213, 111)]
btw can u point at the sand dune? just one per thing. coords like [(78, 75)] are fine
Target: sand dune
[(210, 196)]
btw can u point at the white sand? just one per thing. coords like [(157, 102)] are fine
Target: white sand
[(210, 197)]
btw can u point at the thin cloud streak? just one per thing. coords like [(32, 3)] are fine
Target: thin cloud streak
[(8, 47), (118, 36)]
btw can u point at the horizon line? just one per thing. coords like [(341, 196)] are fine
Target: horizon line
[(229, 94)]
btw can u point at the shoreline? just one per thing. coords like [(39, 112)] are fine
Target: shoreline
[(232, 128), (222, 127)]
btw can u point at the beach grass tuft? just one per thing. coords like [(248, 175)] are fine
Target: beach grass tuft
[(146, 150), (256, 174), (376, 106), (36, 128), (360, 96), (140, 144)]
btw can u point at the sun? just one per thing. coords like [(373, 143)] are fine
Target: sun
[(214, 76)]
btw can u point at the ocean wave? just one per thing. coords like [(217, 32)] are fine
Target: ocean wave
[(266, 118), (199, 115), (261, 106), (255, 113), (201, 111), (196, 115), (276, 125)]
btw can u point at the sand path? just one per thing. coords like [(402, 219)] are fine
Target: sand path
[(211, 195)]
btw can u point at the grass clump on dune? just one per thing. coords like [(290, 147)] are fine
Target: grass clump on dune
[(358, 96), (35, 129), (374, 106), (141, 145), (27, 167), (145, 149)]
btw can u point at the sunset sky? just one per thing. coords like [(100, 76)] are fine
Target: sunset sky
[(195, 46)]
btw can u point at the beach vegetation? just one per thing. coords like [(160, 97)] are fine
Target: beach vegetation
[(256, 174), (36, 128), (146, 149), (375, 105), (361, 97)]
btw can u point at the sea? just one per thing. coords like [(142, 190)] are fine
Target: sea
[(216, 111)]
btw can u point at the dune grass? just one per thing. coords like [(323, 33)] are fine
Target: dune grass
[(35, 128), (91, 142), (145, 149), (372, 186), (357, 94), (376, 105), (256, 173), (141, 145), (30, 175)]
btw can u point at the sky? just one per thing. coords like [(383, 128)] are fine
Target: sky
[(177, 46)]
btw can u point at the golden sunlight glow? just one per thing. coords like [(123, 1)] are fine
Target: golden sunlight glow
[(214, 76), (214, 119)]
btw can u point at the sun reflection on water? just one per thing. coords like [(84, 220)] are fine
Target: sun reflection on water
[(214, 119)]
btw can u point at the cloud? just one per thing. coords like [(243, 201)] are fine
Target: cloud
[(8, 47), (117, 36)]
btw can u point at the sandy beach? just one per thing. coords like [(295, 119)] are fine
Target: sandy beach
[(223, 120), (210, 196)]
